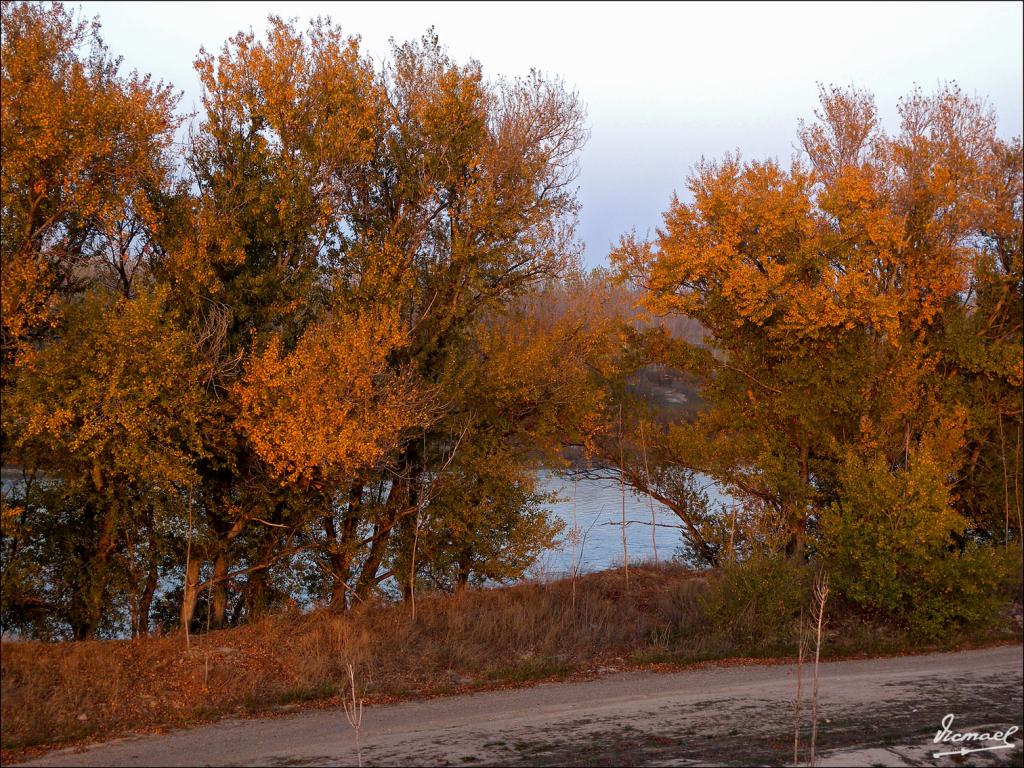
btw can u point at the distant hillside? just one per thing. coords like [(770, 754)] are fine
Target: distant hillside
[(673, 394)]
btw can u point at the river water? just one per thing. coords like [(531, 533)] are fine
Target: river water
[(598, 515), (598, 510)]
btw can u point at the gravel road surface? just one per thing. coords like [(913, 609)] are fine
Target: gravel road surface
[(870, 712)]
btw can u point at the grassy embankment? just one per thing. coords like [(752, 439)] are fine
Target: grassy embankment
[(65, 692)]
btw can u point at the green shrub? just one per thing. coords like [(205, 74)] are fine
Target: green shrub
[(758, 600), (894, 546)]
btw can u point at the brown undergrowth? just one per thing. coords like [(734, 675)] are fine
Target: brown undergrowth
[(67, 692)]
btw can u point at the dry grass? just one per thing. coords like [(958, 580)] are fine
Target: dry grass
[(66, 691), (55, 693)]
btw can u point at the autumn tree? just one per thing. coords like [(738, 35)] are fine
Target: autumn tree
[(284, 123), (105, 419), (286, 342), (416, 196), (93, 412), (859, 302), (330, 411), (466, 204), (534, 383), (86, 167)]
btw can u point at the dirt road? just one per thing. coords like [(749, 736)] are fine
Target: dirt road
[(874, 712)]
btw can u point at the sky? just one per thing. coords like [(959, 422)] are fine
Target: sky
[(664, 84)]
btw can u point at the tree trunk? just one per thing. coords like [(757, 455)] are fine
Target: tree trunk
[(339, 596), (797, 544), (219, 593), (254, 598), (800, 524), (190, 594), (367, 577), (406, 543), (133, 617), (91, 596), (398, 498), (340, 555), (146, 600), (465, 560)]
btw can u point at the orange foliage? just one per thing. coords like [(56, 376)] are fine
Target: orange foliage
[(855, 299), (85, 150), (332, 406)]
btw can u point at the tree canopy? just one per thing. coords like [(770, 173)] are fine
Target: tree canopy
[(315, 345)]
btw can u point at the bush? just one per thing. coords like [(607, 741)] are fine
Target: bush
[(758, 600), (894, 546)]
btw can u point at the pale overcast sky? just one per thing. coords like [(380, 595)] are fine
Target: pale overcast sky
[(664, 84)]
